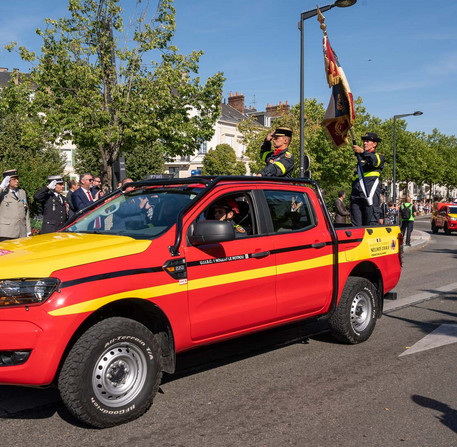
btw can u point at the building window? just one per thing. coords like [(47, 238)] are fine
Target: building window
[(229, 140), (69, 157), (174, 170), (203, 149)]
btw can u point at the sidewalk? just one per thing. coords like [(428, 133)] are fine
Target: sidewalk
[(419, 239)]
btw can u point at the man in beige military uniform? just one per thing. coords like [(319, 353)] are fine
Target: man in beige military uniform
[(14, 211)]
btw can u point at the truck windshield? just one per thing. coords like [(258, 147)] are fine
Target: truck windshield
[(141, 214)]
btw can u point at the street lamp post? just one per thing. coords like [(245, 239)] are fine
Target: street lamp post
[(394, 174), (304, 16)]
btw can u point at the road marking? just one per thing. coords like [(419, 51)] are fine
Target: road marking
[(442, 335), (389, 306)]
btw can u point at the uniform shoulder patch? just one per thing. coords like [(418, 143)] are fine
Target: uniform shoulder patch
[(288, 155), (240, 229)]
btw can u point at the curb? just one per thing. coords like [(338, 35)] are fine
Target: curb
[(419, 239)]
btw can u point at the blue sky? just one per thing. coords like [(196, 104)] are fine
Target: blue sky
[(398, 55)]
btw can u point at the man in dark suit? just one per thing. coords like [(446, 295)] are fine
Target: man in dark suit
[(72, 187), (341, 212), (82, 197), (54, 206)]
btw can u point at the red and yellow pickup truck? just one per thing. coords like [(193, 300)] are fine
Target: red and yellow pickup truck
[(445, 218), (102, 308)]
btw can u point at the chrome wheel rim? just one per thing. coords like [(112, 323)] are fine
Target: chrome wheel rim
[(361, 309), (119, 374)]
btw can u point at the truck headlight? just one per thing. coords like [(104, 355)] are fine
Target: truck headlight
[(19, 292), (453, 219)]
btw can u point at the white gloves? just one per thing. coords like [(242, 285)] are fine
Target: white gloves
[(5, 182), (52, 185)]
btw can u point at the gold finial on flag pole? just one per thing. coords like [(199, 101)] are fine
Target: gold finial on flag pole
[(320, 19)]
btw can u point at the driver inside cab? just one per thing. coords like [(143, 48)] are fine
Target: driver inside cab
[(225, 210)]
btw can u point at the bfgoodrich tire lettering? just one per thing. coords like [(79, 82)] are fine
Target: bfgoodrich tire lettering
[(112, 373), (354, 318)]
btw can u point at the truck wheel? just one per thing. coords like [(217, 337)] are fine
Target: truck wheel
[(434, 228), (112, 373), (446, 229), (354, 318)]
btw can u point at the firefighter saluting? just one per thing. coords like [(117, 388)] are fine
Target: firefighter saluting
[(366, 196), (279, 162)]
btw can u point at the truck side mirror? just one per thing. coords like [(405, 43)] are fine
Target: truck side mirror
[(211, 232)]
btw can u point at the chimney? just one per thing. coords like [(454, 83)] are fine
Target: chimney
[(278, 110), (16, 75), (237, 102)]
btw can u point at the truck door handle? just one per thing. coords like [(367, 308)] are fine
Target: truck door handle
[(261, 254), (319, 245)]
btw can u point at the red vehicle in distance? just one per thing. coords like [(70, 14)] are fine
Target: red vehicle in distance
[(445, 218)]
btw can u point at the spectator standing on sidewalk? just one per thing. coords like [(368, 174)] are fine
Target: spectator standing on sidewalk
[(54, 206), (14, 210), (82, 197), (407, 213), (72, 187), (341, 213), (391, 214)]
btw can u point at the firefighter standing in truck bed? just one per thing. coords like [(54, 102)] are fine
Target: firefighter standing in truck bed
[(363, 213), (279, 162)]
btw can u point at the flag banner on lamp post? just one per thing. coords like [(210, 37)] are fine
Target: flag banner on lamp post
[(340, 114)]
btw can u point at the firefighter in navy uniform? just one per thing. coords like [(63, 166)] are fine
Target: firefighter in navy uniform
[(363, 211), (55, 211), (279, 161), (225, 211)]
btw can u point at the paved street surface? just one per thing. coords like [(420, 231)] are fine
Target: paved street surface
[(296, 386)]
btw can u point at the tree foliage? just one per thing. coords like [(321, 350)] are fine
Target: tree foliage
[(24, 142), (113, 92), (222, 161)]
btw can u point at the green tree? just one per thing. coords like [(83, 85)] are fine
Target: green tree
[(448, 151), (144, 160), (102, 94), (222, 161), (24, 141)]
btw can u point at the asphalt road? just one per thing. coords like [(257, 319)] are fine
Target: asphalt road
[(294, 386)]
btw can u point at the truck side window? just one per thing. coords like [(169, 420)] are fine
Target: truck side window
[(242, 215), (289, 210)]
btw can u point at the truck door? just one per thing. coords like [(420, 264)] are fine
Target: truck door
[(231, 285), (303, 249)]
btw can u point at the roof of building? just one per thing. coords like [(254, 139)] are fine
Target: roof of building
[(228, 113), (5, 77)]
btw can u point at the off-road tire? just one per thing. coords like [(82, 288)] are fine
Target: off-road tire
[(112, 373), (446, 229), (434, 228), (354, 318)]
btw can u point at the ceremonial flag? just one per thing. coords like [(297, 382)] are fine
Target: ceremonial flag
[(340, 114)]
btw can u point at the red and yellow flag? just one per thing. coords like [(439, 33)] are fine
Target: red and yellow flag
[(340, 114)]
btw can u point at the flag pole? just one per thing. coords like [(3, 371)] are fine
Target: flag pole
[(336, 77)]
